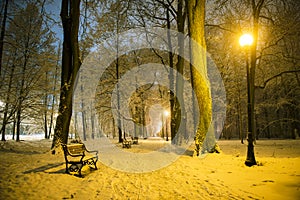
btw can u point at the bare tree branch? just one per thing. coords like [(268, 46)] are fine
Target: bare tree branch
[(277, 75), (220, 27)]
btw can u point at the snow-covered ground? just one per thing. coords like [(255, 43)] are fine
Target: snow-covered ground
[(29, 171), (27, 137)]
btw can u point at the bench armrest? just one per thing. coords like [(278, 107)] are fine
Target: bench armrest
[(92, 151), (95, 151)]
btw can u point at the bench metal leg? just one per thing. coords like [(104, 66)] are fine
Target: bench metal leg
[(74, 167), (91, 162)]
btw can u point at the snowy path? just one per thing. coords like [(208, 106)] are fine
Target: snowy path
[(29, 171)]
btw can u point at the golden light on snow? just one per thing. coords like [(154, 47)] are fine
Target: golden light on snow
[(246, 40)]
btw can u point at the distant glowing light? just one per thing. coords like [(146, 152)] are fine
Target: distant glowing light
[(246, 40), (166, 113)]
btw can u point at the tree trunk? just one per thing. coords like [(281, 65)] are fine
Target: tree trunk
[(70, 13), (180, 108), (196, 16), (93, 124), (21, 94), (83, 117), (2, 34), (53, 100), (239, 117), (45, 124), (46, 109), (171, 79), (50, 125), (5, 117), (119, 122), (83, 124), (18, 123), (14, 128)]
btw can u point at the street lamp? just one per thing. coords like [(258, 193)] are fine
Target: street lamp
[(166, 113), (246, 41)]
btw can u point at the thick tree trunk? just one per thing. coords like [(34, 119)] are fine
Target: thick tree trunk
[(171, 79), (196, 16), (70, 13), (180, 108)]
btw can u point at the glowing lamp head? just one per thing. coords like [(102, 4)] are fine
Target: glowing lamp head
[(246, 40)]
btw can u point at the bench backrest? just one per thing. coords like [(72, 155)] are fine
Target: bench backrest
[(74, 149)]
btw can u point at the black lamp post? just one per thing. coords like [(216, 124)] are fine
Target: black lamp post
[(246, 41)]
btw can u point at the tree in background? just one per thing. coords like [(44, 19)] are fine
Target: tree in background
[(277, 71), (26, 43), (2, 33)]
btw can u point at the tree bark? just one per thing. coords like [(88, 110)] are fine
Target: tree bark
[(196, 16), (46, 109), (21, 93), (180, 108), (5, 115), (53, 95), (171, 79), (2, 34), (70, 13)]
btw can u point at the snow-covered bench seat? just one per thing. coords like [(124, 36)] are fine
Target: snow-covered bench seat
[(127, 142), (76, 156), (135, 140)]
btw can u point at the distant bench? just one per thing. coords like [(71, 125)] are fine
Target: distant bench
[(76, 156), (128, 141), (135, 140)]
